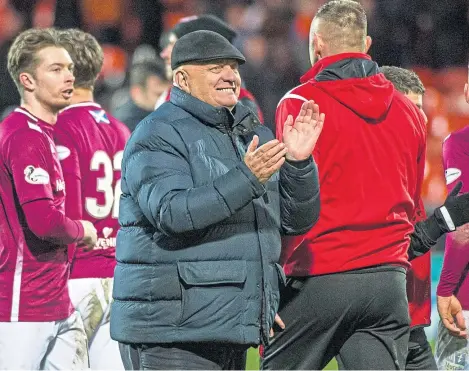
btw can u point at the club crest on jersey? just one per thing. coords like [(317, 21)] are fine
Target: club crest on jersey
[(451, 174), (100, 116), (36, 175)]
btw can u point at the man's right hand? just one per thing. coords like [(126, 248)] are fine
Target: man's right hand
[(449, 309), (90, 236), (265, 160)]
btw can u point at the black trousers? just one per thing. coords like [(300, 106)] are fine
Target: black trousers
[(360, 316), (183, 356), (420, 356)]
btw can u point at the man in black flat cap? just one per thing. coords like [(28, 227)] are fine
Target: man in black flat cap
[(206, 22), (206, 193)]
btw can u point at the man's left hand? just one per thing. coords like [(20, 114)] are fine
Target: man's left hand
[(301, 136), (451, 314)]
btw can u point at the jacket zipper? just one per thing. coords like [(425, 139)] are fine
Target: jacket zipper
[(235, 147)]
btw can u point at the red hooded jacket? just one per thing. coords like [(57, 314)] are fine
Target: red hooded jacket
[(370, 157)]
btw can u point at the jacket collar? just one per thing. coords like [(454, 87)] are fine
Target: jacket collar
[(220, 117), (327, 61)]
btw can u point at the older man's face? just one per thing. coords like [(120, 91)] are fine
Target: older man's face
[(216, 83)]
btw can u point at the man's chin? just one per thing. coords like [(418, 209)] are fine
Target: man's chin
[(229, 103), (63, 103)]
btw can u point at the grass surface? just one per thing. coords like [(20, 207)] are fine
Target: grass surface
[(253, 362)]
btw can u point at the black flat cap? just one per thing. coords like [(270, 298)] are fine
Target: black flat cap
[(202, 46), (206, 22)]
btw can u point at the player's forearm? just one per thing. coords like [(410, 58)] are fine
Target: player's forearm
[(73, 202), (47, 223), (455, 261)]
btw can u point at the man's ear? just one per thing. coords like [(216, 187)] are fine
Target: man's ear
[(368, 43), (317, 48), (181, 81), (28, 81)]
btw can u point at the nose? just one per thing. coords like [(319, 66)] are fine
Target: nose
[(229, 74), (70, 77)]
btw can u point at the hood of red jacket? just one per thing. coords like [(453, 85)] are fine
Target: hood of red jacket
[(354, 80)]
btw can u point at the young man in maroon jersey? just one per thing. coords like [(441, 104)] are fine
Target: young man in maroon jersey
[(206, 22), (39, 328), (452, 345), (90, 144)]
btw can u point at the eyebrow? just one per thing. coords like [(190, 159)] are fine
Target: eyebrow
[(61, 64)]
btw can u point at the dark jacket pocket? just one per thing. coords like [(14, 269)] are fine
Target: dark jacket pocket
[(212, 291), (207, 273)]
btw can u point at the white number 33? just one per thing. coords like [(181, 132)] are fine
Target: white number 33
[(105, 185)]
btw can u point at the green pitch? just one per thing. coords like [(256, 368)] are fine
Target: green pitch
[(252, 362)]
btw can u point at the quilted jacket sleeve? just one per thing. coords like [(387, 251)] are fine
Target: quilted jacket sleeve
[(158, 176), (299, 197)]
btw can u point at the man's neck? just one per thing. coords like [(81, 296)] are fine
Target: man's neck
[(39, 110), (81, 95)]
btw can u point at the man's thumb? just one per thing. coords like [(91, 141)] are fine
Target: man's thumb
[(289, 121), (460, 322), (253, 145)]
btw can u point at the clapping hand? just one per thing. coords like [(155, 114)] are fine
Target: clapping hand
[(265, 160), (300, 136)]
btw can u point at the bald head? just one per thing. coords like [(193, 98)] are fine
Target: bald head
[(339, 26)]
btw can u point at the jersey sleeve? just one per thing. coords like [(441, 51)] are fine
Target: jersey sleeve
[(456, 258), (28, 157), (68, 155)]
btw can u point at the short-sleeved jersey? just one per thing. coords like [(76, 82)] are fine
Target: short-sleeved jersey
[(90, 144), (33, 272)]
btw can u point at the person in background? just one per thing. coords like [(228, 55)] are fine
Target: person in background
[(452, 345), (90, 144), (148, 82), (207, 22), (39, 328), (420, 356)]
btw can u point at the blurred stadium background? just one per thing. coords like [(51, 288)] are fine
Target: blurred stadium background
[(428, 36)]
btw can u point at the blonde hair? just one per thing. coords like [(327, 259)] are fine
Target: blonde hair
[(86, 53), (22, 56)]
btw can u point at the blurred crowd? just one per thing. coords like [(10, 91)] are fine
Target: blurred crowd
[(426, 35)]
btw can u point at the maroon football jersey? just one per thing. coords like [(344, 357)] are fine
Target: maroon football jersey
[(33, 272), (90, 144), (454, 277)]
